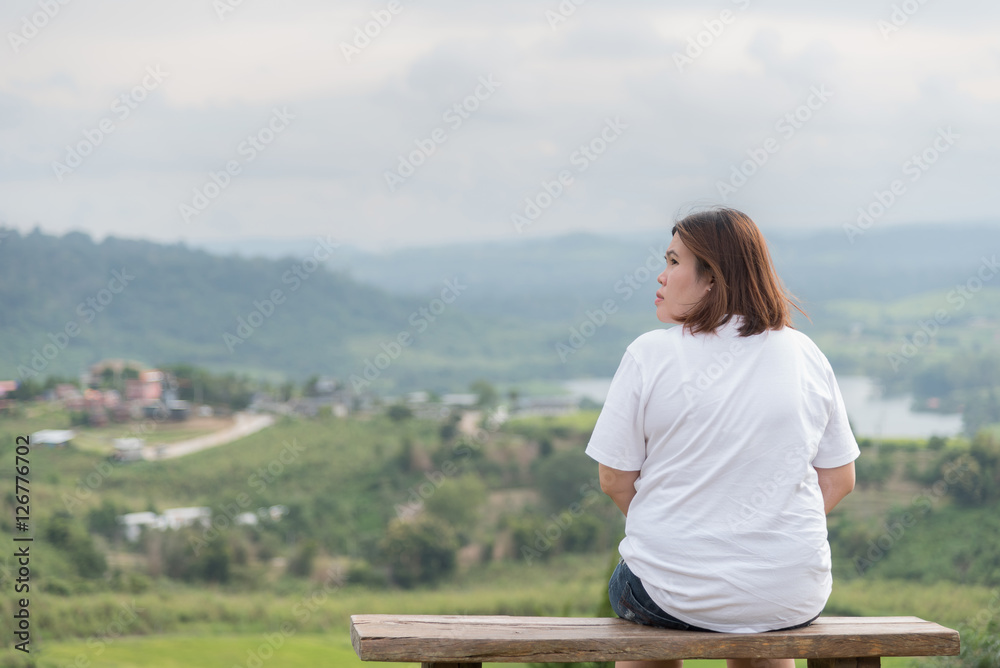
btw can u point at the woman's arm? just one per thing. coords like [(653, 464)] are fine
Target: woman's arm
[(835, 484), (619, 485)]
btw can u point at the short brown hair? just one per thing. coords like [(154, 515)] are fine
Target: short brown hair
[(729, 246)]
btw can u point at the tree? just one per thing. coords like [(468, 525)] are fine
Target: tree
[(487, 395), (561, 476), (104, 520), (399, 412), (458, 502), (973, 476), (419, 551), (301, 564), (66, 535)]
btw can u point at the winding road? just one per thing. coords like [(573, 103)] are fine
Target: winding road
[(244, 425)]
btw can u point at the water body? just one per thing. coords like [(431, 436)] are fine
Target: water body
[(871, 415), (875, 416)]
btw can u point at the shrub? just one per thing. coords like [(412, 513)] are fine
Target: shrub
[(420, 551), (562, 476)]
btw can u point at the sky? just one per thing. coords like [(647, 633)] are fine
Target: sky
[(393, 123)]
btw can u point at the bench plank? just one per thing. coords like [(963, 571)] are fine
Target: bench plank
[(464, 639)]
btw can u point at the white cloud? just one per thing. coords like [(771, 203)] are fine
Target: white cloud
[(354, 119)]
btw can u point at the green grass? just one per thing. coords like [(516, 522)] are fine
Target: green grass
[(187, 627), (191, 651), (347, 465)]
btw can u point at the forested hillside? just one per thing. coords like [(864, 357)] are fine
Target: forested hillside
[(915, 306), (69, 302)]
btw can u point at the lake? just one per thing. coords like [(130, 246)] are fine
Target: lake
[(872, 415)]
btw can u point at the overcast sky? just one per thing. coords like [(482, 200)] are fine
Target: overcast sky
[(113, 114)]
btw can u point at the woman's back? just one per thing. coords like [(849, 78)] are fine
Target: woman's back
[(727, 529)]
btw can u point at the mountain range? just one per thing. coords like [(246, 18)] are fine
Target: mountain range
[(435, 318)]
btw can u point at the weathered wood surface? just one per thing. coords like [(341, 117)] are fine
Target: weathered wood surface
[(442, 639), (861, 662)]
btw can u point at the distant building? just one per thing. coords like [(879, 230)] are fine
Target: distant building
[(133, 523), (553, 405), (66, 391), (178, 409), (463, 400), (172, 518), (176, 518), (52, 437), (128, 449), (246, 519)]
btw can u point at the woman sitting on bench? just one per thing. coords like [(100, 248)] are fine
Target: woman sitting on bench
[(725, 442)]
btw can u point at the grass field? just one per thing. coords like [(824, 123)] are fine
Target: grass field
[(340, 469), (205, 628)]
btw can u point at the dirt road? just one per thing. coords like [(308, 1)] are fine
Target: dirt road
[(244, 425)]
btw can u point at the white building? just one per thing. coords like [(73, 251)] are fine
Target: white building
[(172, 518), (134, 522)]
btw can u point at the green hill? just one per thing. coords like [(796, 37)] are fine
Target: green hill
[(440, 318)]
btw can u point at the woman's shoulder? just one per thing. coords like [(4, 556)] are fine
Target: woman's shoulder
[(798, 337), (654, 338), (650, 346), (804, 343)]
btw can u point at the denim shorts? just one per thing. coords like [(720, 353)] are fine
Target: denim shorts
[(630, 601)]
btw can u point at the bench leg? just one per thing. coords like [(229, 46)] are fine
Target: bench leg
[(860, 662), (431, 664)]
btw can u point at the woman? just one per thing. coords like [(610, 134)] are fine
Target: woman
[(724, 442)]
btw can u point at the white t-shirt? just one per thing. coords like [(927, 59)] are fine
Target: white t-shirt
[(727, 529)]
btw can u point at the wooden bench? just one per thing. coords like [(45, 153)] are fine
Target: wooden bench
[(449, 641)]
